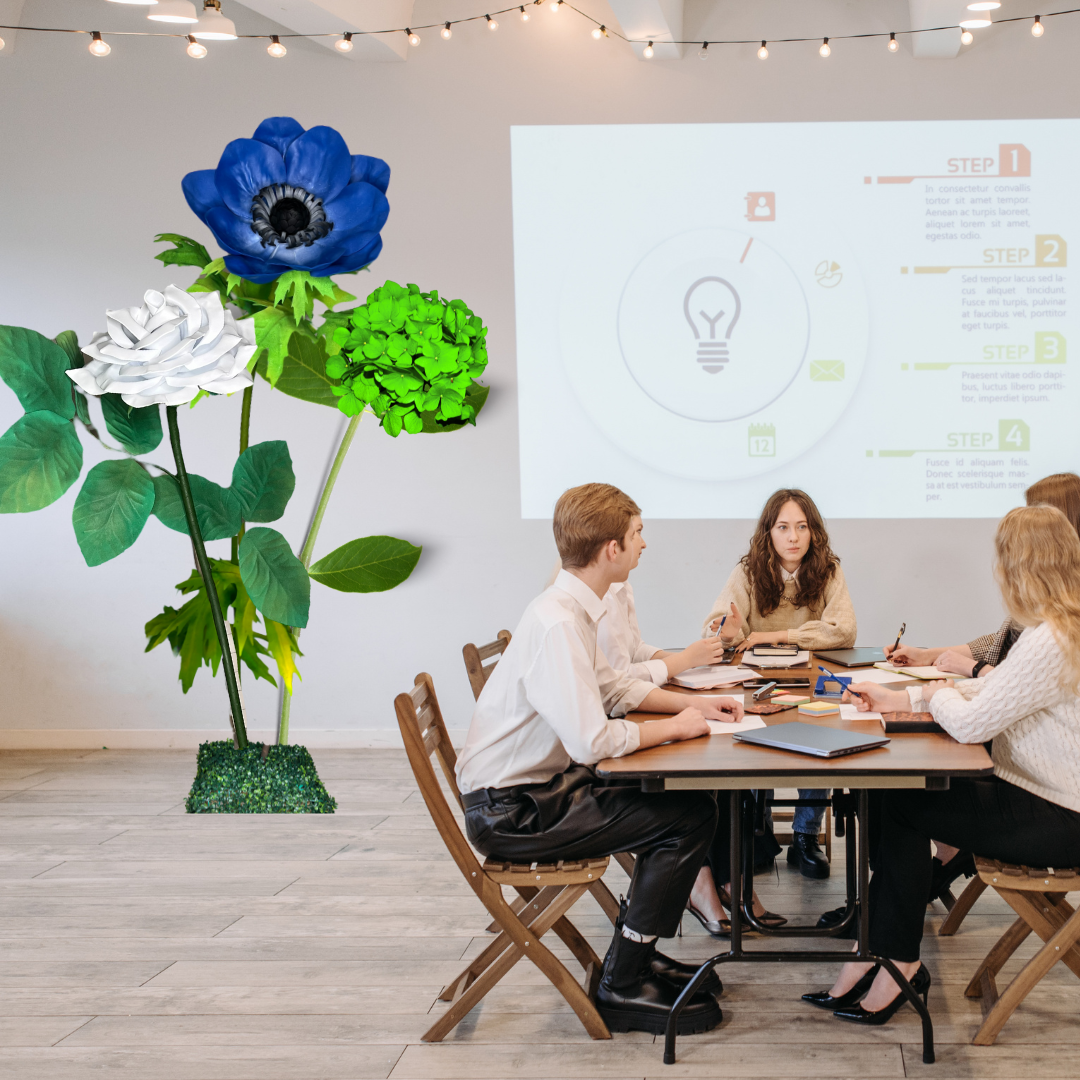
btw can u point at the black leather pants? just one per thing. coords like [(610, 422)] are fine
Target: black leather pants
[(577, 815)]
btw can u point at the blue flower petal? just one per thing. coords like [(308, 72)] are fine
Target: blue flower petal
[(234, 234), (200, 190), (370, 170), (359, 208), (254, 270), (280, 132), (366, 253), (319, 162), (246, 167)]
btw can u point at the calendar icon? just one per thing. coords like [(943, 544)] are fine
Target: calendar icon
[(762, 438)]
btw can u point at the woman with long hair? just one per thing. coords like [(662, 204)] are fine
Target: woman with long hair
[(1028, 812)]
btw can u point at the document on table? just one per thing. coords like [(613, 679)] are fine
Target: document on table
[(800, 660), (721, 727), (712, 676), (919, 672), (851, 712), (888, 675)]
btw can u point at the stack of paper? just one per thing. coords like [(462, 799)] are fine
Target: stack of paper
[(819, 708), (722, 727), (712, 677), (851, 712), (919, 672), (800, 660)]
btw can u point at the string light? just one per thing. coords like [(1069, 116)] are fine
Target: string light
[(647, 52), (1037, 27), (893, 43), (194, 49), (275, 48), (414, 39), (598, 32), (703, 52), (173, 11), (555, 5), (99, 47), (446, 33), (524, 16), (2, 43), (344, 43), (967, 37), (492, 24), (824, 50)]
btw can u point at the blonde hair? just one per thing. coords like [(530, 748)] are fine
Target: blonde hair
[(1038, 571), (1061, 490), (588, 517)]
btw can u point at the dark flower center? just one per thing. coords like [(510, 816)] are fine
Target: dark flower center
[(286, 214)]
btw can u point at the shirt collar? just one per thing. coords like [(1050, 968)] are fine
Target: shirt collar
[(593, 605), (785, 576)]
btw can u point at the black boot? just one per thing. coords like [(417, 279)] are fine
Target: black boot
[(631, 998), (806, 854), (673, 970)]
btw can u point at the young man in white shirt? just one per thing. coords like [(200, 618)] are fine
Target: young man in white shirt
[(541, 722)]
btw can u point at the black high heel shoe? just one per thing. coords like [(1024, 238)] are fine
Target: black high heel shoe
[(920, 983), (944, 874), (822, 999), (719, 928), (766, 918)]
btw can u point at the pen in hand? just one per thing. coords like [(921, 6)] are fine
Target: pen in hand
[(900, 634), (831, 677), (721, 626)]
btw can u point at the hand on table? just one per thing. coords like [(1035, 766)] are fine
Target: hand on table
[(721, 708), (761, 637), (909, 656), (956, 662), (689, 724), (873, 697)]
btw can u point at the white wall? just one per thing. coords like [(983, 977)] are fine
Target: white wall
[(91, 156)]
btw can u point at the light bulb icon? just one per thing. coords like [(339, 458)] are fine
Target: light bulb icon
[(710, 305)]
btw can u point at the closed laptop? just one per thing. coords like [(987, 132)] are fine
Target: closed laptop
[(825, 742)]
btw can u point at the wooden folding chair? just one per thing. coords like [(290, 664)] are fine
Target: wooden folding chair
[(959, 906), (1038, 897), (549, 890)]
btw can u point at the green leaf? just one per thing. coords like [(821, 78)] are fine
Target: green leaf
[(111, 510), (263, 481), (273, 330), (281, 642), (216, 508), (40, 458), (185, 251), (137, 430), (68, 341), (303, 372), (476, 396), (370, 564), (34, 367), (274, 577)]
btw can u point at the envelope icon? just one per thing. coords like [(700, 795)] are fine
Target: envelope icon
[(827, 370)]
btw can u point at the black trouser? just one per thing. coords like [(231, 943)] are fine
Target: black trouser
[(991, 817), (577, 815)]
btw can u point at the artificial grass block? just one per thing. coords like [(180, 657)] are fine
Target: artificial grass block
[(232, 781)]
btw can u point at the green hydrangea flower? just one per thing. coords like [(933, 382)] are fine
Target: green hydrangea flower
[(408, 355)]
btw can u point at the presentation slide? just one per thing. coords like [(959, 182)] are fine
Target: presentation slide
[(875, 312)]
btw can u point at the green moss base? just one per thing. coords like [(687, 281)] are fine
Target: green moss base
[(232, 781)]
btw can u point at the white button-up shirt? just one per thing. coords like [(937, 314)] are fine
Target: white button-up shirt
[(546, 704), (620, 638)]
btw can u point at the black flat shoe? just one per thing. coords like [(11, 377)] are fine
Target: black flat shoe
[(835, 917), (822, 999), (719, 928), (920, 983), (963, 862)]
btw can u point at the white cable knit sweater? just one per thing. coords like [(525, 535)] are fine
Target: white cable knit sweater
[(1033, 720)]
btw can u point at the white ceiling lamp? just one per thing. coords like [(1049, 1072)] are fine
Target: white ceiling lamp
[(174, 11), (974, 24), (140, 3), (984, 5), (212, 25)]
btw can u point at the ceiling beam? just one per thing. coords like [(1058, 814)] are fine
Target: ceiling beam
[(658, 21), (938, 44)]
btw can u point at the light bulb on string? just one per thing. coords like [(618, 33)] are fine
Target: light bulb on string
[(967, 37), (763, 52), (195, 50), (446, 33), (824, 50), (99, 47), (2, 44), (275, 48), (344, 43), (893, 43), (554, 5), (1037, 27), (597, 33), (524, 16), (414, 39), (703, 52), (647, 52), (492, 24)]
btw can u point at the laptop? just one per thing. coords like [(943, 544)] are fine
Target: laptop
[(825, 742), (852, 657)]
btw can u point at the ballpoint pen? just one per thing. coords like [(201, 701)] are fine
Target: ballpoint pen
[(896, 645), (721, 626), (847, 686)]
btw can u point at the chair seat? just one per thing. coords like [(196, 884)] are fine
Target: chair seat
[(1027, 878), (537, 875)]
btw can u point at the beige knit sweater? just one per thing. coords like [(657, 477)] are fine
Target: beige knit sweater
[(831, 626), (1033, 720)]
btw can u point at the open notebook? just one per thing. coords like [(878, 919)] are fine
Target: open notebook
[(919, 672)]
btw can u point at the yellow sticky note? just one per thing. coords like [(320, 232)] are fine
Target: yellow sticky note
[(827, 370)]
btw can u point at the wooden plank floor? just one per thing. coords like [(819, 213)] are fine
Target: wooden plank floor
[(138, 941)]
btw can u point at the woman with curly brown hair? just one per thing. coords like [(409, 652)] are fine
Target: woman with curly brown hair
[(789, 589)]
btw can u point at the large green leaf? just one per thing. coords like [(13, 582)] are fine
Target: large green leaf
[(112, 508), (263, 481), (303, 372), (274, 577), (34, 367), (370, 564), (184, 252), (40, 458), (476, 396), (216, 508), (68, 340), (137, 430)]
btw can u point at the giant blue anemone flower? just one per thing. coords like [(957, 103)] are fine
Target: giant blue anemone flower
[(290, 199)]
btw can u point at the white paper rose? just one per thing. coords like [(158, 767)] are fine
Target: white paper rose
[(166, 351)]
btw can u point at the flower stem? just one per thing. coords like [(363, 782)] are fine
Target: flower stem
[(235, 701), (245, 423), (308, 550)]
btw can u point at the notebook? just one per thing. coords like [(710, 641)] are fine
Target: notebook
[(919, 672), (800, 659), (823, 742), (852, 657), (710, 678), (904, 722)]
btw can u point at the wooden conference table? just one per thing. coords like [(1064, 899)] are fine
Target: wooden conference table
[(718, 763)]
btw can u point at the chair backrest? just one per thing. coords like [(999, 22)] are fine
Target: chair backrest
[(425, 736), (475, 657)]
